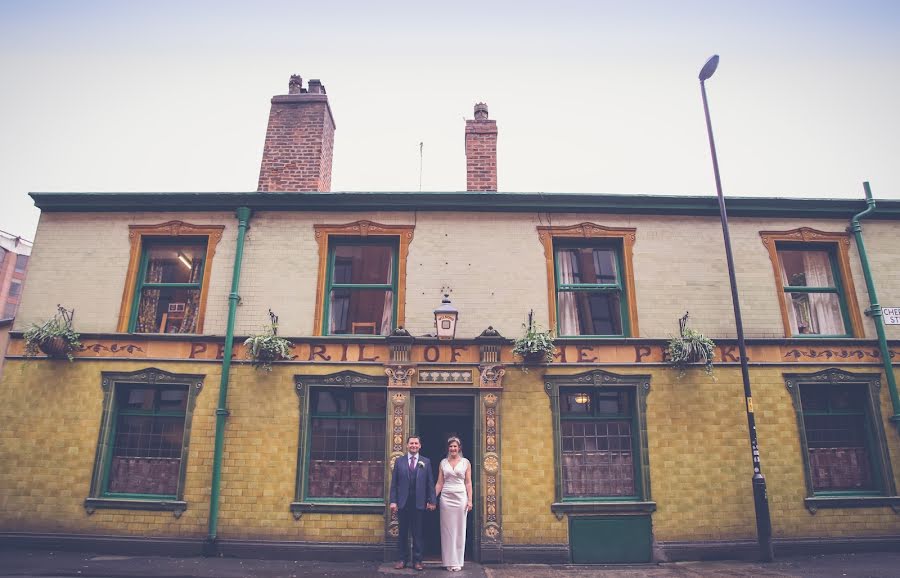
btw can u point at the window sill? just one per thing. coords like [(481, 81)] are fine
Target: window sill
[(300, 508), (177, 507), (820, 502), (611, 507)]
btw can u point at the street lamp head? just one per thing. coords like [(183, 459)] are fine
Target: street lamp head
[(709, 68)]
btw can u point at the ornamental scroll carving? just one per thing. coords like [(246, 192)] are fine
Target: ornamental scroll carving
[(492, 376), (399, 375)]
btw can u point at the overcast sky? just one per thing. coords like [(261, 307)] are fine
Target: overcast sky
[(589, 97)]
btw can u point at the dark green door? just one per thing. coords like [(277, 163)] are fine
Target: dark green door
[(609, 539)]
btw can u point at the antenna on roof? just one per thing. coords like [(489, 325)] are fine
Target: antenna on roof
[(421, 145)]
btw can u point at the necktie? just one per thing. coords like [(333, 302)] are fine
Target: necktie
[(412, 463)]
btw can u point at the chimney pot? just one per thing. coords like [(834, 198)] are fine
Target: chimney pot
[(295, 86), (481, 111), (316, 86)]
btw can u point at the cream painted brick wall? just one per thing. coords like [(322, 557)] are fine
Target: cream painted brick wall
[(493, 262), (80, 261), (882, 240)]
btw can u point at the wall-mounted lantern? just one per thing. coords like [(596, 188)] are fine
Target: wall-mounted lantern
[(445, 318)]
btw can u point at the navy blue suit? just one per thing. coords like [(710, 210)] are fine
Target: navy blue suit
[(411, 492)]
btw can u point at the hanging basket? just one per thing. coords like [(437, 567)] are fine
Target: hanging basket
[(55, 347), (534, 358)]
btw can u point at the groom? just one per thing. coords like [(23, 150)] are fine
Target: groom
[(412, 491)]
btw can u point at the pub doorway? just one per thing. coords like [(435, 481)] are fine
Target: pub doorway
[(437, 418)]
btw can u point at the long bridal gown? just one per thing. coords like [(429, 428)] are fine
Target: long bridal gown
[(453, 513)]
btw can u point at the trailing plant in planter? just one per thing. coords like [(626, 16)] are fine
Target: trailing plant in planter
[(55, 337), (266, 347), (690, 348), (536, 345)]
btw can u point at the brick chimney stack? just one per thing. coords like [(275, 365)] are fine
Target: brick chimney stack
[(481, 151), (299, 140)]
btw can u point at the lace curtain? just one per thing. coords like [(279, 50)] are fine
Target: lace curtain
[(150, 299), (189, 323), (815, 313), (568, 310)]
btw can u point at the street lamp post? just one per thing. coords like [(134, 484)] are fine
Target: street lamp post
[(760, 498)]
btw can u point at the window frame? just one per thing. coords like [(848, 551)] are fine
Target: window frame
[(330, 285), (590, 234), (24, 267), (638, 387), (837, 245), (885, 493), (350, 381), (364, 231), (597, 416), (618, 287), (99, 497), (139, 236)]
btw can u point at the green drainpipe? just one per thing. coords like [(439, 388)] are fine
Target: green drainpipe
[(874, 307), (210, 547)]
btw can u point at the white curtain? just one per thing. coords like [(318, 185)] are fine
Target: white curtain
[(387, 314), (568, 311), (814, 313), (825, 309)]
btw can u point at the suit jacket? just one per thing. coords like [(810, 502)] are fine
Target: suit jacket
[(401, 480)]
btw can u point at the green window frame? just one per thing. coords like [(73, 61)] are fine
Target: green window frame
[(841, 429), (146, 316), (579, 437), (798, 297), (343, 452), (137, 447), (341, 294), (598, 443), (575, 296)]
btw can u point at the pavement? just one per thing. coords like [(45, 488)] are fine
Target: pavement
[(49, 564)]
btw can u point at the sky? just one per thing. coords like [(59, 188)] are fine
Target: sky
[(589, 97)]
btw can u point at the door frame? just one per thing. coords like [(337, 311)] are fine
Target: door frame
[(475, 443)]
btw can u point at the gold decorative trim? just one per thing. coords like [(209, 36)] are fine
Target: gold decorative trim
[(398, 449), (840, 240), (491, 466), (492, 376), (399, 375), (136, 236), (363, 229), (592, 231)]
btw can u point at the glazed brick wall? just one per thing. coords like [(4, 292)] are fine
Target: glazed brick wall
[(527, 480), (51, 413), (481, 155), (299, 145), (698, 454), (260, 464)]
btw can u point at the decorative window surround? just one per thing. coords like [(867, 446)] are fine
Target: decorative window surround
[(640, 384), (151, 377), (172, 229), (589, 231), (879, 452), (344, 379), (840, 243), (363, 230)]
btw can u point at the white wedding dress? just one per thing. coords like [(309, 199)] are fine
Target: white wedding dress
[(453, 513)]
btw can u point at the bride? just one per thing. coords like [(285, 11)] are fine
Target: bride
[(454, 484)]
